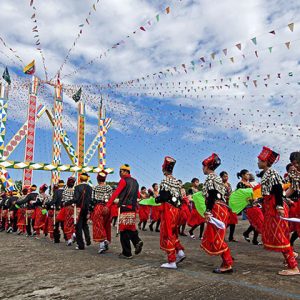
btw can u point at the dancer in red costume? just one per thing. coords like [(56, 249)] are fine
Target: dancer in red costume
[(253, 212), (39, 205), (233, 220), (144, 210), (100, 213), (68, 211), (170, 199), (155, 210), (184, 214), (127, 192), (293, 193), (21, 223), (195, 219), (275, 233), (214, 191)]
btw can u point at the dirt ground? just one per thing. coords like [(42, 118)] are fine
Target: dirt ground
[(39, 269)]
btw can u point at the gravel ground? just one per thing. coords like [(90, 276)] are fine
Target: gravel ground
[(39, 269)]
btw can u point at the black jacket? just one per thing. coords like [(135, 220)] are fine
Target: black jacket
[(83, 195)]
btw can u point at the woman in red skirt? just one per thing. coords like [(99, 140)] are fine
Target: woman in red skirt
[(233, 220), (155, 210), (195, 218), (275, 233), (144, 210), (293, 193), (214, 191), (184, 213)]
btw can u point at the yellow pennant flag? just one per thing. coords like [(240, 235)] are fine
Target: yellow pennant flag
[(30, 68)]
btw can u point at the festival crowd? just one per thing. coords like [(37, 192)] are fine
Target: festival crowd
[(275, 215)]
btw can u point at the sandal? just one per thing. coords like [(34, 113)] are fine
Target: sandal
[(288, 272), (219, 271)]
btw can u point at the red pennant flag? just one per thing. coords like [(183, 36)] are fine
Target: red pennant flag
[(272, 32), (168, 10), (142, 28)]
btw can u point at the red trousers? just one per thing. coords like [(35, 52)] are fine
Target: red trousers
[(213, 241), (275, 235), (195, 218), (21, 223), (66, 215), (184, 214), (101, 223), (156, 213), (169, 241)]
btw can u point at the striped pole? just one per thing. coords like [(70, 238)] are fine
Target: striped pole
[(31, 125), (57, 130)]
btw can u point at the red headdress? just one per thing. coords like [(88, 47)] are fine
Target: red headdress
[(268, 155), (168, 164), (71, 181), (212, 161), (43, 188)]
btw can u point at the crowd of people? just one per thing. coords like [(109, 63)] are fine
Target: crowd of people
[(70, 206)]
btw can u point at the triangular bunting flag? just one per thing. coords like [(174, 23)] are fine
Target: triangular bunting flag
[(232, 59), (239, 46), (142, 28), (168, 10), (213, 55), (30, 68), (6, 76), (256, 54), (288, 44), (270, 49), (291, 27), (225, 51), (202, 58), (157, 18), (254, 40), (272, 32), (76, 97)]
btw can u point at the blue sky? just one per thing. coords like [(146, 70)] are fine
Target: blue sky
[(187, 112)]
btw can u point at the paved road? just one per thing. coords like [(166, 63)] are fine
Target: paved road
[(38, 269)]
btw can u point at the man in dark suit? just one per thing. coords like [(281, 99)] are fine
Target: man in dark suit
[(82, 199)]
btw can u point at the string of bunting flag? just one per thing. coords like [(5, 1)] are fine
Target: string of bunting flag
[(37, 38), (143, 28)]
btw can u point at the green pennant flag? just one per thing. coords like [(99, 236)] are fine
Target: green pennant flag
[(239, 199), (254, 41), (270, 49), (199, 201), (157, 18), (6, 76), (76, 97), (149, 201)]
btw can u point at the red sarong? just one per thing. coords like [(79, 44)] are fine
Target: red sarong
[(169, 241), (256, 218), (213, 238), (127, 221), (232, 218), (21, 219), (294, 213), (275, 234), (101, 223), (195, 218), (114, 210), (156, 213), (184, 214), (144, 211), (39, 222)]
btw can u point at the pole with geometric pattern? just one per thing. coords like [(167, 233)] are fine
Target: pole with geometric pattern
[(31, 121), (57, 130)]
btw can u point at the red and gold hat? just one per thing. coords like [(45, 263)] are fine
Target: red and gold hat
[(212, 161), (268, 155), (101, 176), (168, 164)]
